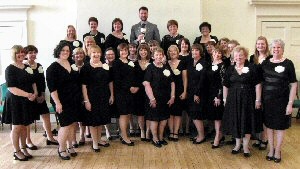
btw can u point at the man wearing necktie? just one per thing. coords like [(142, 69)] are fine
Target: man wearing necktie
[(144, 31)]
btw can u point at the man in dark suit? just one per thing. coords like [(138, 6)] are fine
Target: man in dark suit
[(144, 31)]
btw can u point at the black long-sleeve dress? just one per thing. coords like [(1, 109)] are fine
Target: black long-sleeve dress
[(179, 105), (276, 80), (67, 85), (215, 77), (239, 114), (97, 84), (112, 41), (17, 109), (123, 77), (197, 86), (160, 79)]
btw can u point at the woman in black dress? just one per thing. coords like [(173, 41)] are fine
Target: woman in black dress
[(261, 54), (140, 97), (160, 89), (197, 94), (279, 91), (96, 77), (117, 36), (241, 96), (180, 78), (97, 36), (215, 107), (124, 79), (18, 105), (62, 80), (172, 38), (41, 107)]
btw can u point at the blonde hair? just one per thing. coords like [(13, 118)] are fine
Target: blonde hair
[(76, 50), (174, 47), (256, 53), (75, 35), (239, 49), (85, 43), (95, 47), (15, 50)]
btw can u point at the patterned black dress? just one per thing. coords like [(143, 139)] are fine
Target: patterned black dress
[(239, 114), (160, 80), (276, 80), (17, 109), (97, 83), (179, 105), (215, 77), (69, 92), (197, 86), (123, 76)]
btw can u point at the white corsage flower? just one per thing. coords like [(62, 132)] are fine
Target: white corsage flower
[(29, 70), (199, 67), (74, 67), (279, 69), (177, 41), (131, 64), (76, 43), (166, 72), (147, 64), (214, 67), (102, 40), (176, 72), (245, 70), (40, 69), (105, 66), (125, 37)]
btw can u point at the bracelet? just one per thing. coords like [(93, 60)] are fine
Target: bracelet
[(85, 101), (152, 99), (257, 100)]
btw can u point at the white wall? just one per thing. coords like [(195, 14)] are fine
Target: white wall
[(187, 13)]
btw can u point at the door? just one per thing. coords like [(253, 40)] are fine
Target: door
[(289, 32)]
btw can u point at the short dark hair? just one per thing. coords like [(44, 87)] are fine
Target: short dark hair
[(144, 46), (205, 24), (122, 46), (172, 22), (199, 47), (186, 40), (143, 8), (91, 19), (110, 48), (115, 21), (30, 48), (59, 48)]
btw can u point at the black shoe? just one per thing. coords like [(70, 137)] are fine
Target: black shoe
[(104, 145), (81, 143), (175, 139), (128, 144), (170, 138), (163, 142), (156, 144), (20, 159), (88, 136), (263, 145), (269, 158), (202, 141), (247, 154), (33, 147), (72, 154), (214, 147), (63, 157), (75, 145), (49, 142), (27, 156), (277, 160), (236, 151), (96, 150), (54, 132)]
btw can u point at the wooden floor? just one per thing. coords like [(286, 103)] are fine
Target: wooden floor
[(181, 154)]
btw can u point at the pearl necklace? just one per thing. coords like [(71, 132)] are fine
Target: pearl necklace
[(278, 60), (79, 66), (239, 68), (144, 61), (95, 64)]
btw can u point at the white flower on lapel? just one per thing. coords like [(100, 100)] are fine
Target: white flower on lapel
[(176, 72), (105, 66), (125, 37), (29, 70), (102, 40), (147, 64), (214, 67), (131, 64), (40, 69), (76, 43), (279, 69), (199, 67), (177, 41), (74, 67), (166, 72), (245, 70)]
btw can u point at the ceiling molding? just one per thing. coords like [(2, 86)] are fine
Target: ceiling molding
[(274, 2)]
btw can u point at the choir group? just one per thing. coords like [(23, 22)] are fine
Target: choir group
[(157, 80)]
